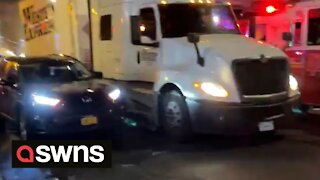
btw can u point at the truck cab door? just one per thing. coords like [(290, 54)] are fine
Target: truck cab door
[(148, 50)]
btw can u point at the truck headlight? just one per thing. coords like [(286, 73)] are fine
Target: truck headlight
[(212, 89), (115, 94), (44, 100), (293, 83)]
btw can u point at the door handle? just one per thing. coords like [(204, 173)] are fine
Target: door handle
[(138, 57)]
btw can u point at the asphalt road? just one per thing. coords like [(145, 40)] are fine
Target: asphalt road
[(294, 154)]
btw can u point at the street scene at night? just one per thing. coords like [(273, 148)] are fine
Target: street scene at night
[(159, 89)]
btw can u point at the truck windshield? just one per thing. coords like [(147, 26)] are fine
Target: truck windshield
[(177, 20)]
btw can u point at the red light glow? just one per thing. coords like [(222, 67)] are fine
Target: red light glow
[(271, 9)]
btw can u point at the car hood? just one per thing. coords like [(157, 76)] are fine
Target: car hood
[(72, 88)]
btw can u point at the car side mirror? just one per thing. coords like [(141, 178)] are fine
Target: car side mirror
[(135, 29), (193, 38), (287, 36), (97, 75)]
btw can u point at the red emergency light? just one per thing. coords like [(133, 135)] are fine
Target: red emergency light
[(267, 7), (271, 9)]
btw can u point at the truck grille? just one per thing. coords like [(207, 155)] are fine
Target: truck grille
[(256, 77)]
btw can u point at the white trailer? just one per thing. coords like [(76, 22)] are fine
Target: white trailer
[(183, 63)]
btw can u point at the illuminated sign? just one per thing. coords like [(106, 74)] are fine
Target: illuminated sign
[(38, 22)]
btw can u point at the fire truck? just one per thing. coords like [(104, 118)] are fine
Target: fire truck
[(295, 29)]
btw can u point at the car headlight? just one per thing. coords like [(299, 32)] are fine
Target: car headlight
[(212, 89), (44, 100), (115, 94), (293, 83)]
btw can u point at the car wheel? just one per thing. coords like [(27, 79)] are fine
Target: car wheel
[(24, 130), (175, 117)]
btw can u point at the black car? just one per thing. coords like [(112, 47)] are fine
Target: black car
[(56, 95)]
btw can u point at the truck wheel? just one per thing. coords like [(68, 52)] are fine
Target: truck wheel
[(24, 130), (175, 117)]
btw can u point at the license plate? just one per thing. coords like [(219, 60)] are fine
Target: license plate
[(89, 120), (266, 126)]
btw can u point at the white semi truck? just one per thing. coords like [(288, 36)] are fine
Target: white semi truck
[(183, 64)]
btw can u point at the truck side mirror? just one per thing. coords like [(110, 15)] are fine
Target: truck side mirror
[(135, 29), (287, 36), (193, 38)]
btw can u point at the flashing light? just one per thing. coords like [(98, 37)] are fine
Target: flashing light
[(216, 19), (142, 28), (202, 1), (94, 11), (164, 2), (271, 9)]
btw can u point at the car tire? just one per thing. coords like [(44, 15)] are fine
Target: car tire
[(175, 117), (24, 130)]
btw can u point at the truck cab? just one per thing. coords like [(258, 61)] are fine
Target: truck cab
[(188, 65)]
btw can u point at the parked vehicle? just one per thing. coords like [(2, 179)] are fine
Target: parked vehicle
[(295, 29), (184, 65), (56, 95)]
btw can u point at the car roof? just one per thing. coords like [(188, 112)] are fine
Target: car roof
[(40, 59)]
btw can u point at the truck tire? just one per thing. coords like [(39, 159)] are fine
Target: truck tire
[(175, 116)]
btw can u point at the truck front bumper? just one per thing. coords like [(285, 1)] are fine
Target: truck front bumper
[(234, 118)]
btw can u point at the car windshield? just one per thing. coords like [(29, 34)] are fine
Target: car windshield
[(54, 72), (177, 20)]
